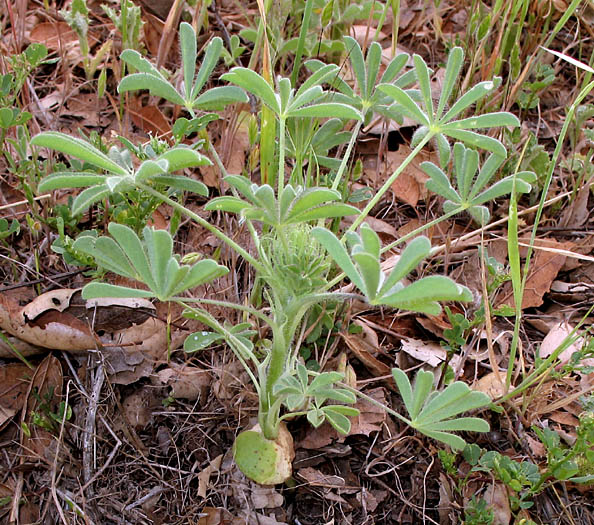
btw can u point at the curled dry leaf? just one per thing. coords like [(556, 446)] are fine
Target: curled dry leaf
[(364, 346), (204, 476), (497, 498), (553, 340), (548, 260), (53, 35), (187, 382), (491, 385), (138, 407), (429, 353), (133, 353), (44, 322), (60, 320), (315, 478), (150, 119)]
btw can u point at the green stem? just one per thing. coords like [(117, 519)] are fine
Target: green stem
[(268, 403), (194, 216), (233, 342), (281, 154), (363, 215), (376, 403), (227, 304), (217, 159), (347, 155), (513, 221), (420, 229)]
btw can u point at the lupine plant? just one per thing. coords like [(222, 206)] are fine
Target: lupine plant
[(296, 257)]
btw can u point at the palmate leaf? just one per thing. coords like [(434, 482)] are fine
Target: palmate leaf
[(365, 97), (471, 191), (439, 123), (433, 413), (151, 79), (255, 84), (362, 267), (150, 261), (296, 205), (120, 178)]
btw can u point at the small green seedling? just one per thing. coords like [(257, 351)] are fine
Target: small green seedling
[(7, 230), (470, 192), (78, 19)]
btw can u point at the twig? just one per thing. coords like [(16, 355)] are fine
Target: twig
[(90, 425), (101, 418), (151, 493)]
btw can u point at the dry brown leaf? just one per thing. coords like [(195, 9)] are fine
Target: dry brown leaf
[(53, 35), (14, 383), (497, 498), (265, 497), (318, 438), (409, 187), (87, 106), (236, 156), (150, 119), (46, 388), (187, 382), (577, 212), (553, 340), (370, 499), (446, 499), (138, 407), (52, 328), (536, 447), (112, 314), (7, 348), (544, 267), (58, 300), (564, 418), (160, 8), (315, 478), (365, 345), (489, 384), (427, 352), (371, 417), (133, 353), (365, 34), (256, 518), (204, 476)]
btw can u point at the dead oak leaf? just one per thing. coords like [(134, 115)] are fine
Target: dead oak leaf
[(544, 267)]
